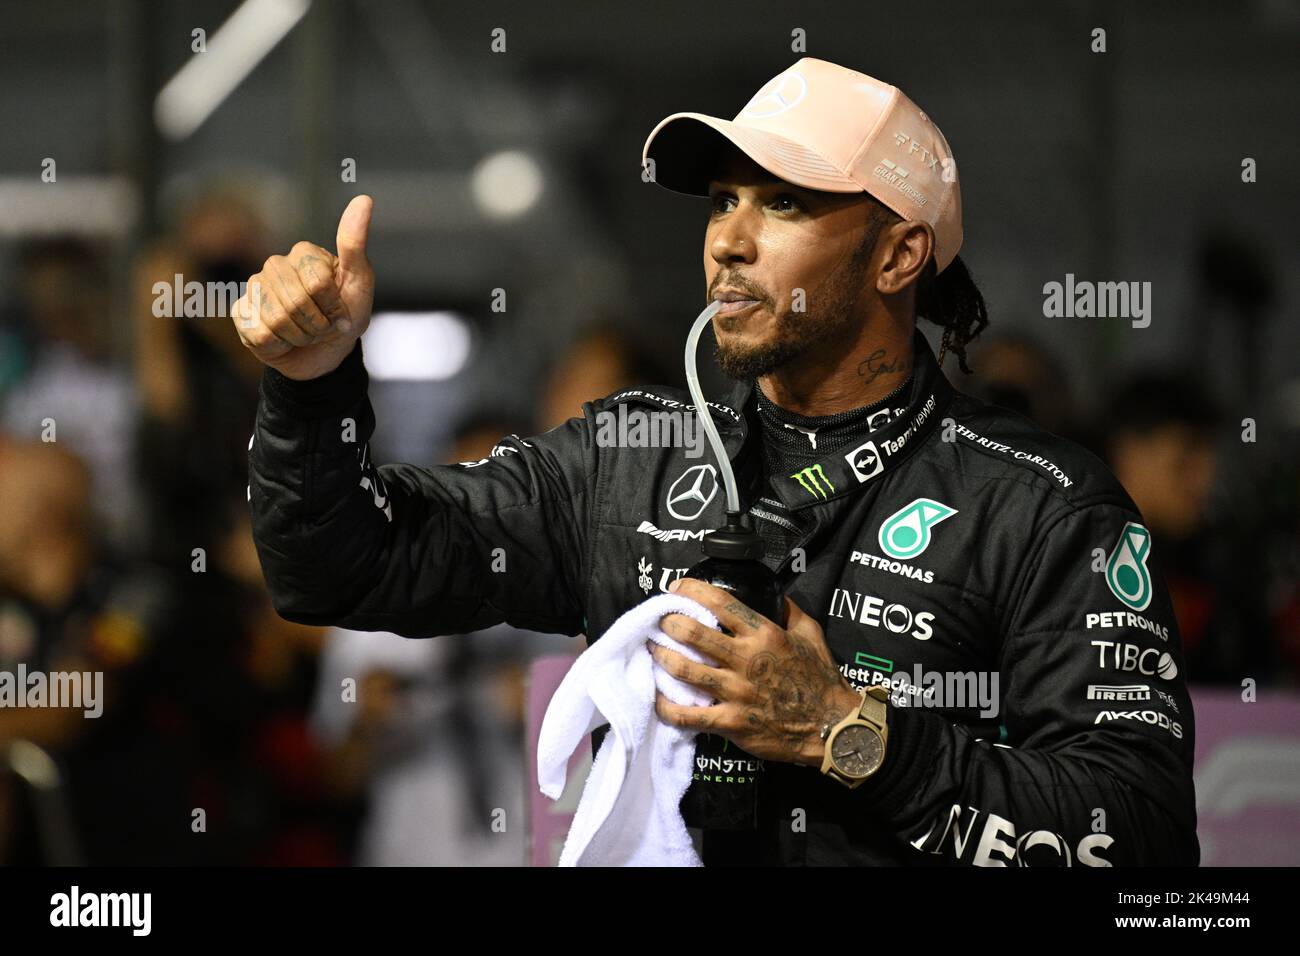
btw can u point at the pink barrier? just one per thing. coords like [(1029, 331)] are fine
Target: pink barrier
[(548, 821), (1247, 777)]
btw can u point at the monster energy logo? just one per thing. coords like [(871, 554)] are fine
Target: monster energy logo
[(809, 479)]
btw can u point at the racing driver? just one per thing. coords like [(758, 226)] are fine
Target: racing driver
[(977, 666)]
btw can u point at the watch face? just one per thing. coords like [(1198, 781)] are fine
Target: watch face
[(856, 751)]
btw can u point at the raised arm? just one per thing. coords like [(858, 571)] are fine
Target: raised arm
[(417, 551)]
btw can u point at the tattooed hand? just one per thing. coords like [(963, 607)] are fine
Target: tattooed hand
[(774, 688), (303, 312)]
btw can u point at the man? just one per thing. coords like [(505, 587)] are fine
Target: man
[(984, 582)]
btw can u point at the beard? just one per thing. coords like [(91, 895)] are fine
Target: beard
[(798, 334)]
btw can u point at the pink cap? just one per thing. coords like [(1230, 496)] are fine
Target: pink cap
[(822, 126)]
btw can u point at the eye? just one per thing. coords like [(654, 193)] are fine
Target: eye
[(790, 198), (718, 198)]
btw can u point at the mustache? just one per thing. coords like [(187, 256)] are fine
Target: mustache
[(748, 288)]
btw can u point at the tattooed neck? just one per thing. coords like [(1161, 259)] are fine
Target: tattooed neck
[(883, 363)]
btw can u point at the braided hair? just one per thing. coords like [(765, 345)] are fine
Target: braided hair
[(949, 299), (952, 301)]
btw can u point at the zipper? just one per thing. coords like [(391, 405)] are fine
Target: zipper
[(775, 519)]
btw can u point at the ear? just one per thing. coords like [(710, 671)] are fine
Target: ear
[(907, 246)]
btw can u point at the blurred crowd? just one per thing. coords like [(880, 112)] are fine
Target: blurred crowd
[(226, 735)]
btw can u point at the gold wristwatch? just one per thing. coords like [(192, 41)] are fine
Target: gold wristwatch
[(855, 747)]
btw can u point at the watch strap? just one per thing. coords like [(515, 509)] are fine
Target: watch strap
[(872, 713)]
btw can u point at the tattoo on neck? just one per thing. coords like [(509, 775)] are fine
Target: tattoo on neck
[(878, 363)]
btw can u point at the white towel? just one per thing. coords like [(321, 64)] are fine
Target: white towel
[(629, 811)]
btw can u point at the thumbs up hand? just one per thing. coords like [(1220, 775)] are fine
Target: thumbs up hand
[(353, 276), (303, 312)]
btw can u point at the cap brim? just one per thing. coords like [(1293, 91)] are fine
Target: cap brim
[(686, 148)]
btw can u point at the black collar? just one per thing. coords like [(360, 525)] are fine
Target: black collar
[(841, 473)]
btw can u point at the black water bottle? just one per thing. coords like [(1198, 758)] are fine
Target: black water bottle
[(724, 788)]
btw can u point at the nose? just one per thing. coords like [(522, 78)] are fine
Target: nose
[(733, 239)]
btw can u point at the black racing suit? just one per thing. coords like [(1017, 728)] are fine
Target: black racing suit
[(995, 576)]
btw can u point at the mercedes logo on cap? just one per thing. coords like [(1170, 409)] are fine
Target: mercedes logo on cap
[(783, 93), (692, 492)]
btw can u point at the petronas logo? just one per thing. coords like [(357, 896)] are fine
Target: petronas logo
[(1126, 571), (906, 533), (813, 479)]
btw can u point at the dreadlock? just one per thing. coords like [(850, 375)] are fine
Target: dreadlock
[(952, 301)]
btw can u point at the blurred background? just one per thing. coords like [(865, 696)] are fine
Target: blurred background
[(501, 141)]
